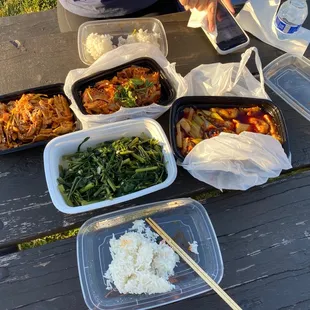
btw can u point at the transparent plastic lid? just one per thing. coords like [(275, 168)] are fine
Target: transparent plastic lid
[(185, 220), (289, 77), (118, 28)]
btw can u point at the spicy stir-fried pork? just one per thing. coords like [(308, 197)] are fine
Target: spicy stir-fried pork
[(197, 125), (34, 117), (131, 87)]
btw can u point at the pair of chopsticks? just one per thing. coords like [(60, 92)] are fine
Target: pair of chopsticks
[(193, 264)]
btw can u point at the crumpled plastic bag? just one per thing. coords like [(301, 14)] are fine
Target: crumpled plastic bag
[(232, 161), (231, 79), (114, 58), (257, 17), (237, 162)]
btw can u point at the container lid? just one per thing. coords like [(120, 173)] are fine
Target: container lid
[(117, 28), (289, 77), (185, 220)]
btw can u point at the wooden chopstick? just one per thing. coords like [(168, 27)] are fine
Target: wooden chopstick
[(193, 265)]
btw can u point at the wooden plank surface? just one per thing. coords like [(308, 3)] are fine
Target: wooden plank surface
[(47, 56), (26, 26), (264, 235), (265, 246), (27, 211)]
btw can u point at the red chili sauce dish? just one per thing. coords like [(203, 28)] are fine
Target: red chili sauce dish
[(197, 124)]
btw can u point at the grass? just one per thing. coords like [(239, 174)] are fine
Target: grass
[(211, 194), (48, 239), (16, 7)]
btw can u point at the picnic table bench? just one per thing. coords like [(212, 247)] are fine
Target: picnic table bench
[(264, 233)]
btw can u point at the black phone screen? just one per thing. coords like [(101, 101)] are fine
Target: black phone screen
[(229, 34)]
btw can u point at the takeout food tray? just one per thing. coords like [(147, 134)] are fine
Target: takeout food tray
[(168, 93), (120, 27), (208, 102), (49, 90), (185, 220), (68, 144)]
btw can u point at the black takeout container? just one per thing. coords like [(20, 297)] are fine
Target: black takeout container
[(208, 102), (49, 90), (168, 93)]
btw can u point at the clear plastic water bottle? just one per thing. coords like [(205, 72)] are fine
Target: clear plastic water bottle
[(290, 18)]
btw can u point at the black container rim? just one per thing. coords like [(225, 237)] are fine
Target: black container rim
[(230, 101), (52, 89), (167, 87)]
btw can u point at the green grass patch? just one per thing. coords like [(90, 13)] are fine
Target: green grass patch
[(16, 7), (48, 239), (289, 174), (211, 194)]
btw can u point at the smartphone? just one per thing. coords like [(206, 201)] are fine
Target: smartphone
[(230, 35)]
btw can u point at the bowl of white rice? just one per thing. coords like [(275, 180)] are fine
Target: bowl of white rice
[(123, 264), (96, 38)]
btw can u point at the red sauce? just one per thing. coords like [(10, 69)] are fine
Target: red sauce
[(245, 119)]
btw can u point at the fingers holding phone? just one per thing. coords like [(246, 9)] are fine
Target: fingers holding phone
[(209, 6), (230, 36)]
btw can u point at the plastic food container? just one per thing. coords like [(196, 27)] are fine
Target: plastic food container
[(49, 90), (68, 144), (185, 220), (168, 93), (118, 28), (289, 77), (205, 102)]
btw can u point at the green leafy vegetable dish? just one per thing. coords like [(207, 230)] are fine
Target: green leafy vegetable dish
[(111, 169)]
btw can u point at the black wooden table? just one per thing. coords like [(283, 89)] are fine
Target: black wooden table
[(264, 233)]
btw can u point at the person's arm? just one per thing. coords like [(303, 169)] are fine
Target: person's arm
[(207, 5)]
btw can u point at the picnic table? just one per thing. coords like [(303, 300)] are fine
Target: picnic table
[(264, 233)]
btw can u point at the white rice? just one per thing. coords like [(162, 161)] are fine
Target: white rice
[(140, 36), (98, 44), (193, 247), (139, 264)]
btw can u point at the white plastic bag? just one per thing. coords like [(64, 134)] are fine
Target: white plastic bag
[(114, 58), (231, 79), (231, 161), (237, 162), (257, 17)]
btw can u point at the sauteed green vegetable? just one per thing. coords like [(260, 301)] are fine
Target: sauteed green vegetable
[(111, 169)]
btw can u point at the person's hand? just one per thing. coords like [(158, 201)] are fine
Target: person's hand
[(209, 6)]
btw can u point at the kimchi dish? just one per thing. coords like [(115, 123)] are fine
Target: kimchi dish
[(197, 125), (32, 118), (132, 87)]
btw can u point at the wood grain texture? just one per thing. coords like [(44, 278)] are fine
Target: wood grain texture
[(44, 60), (26, 209), (47, 55), (28, 25), (264, 235)]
